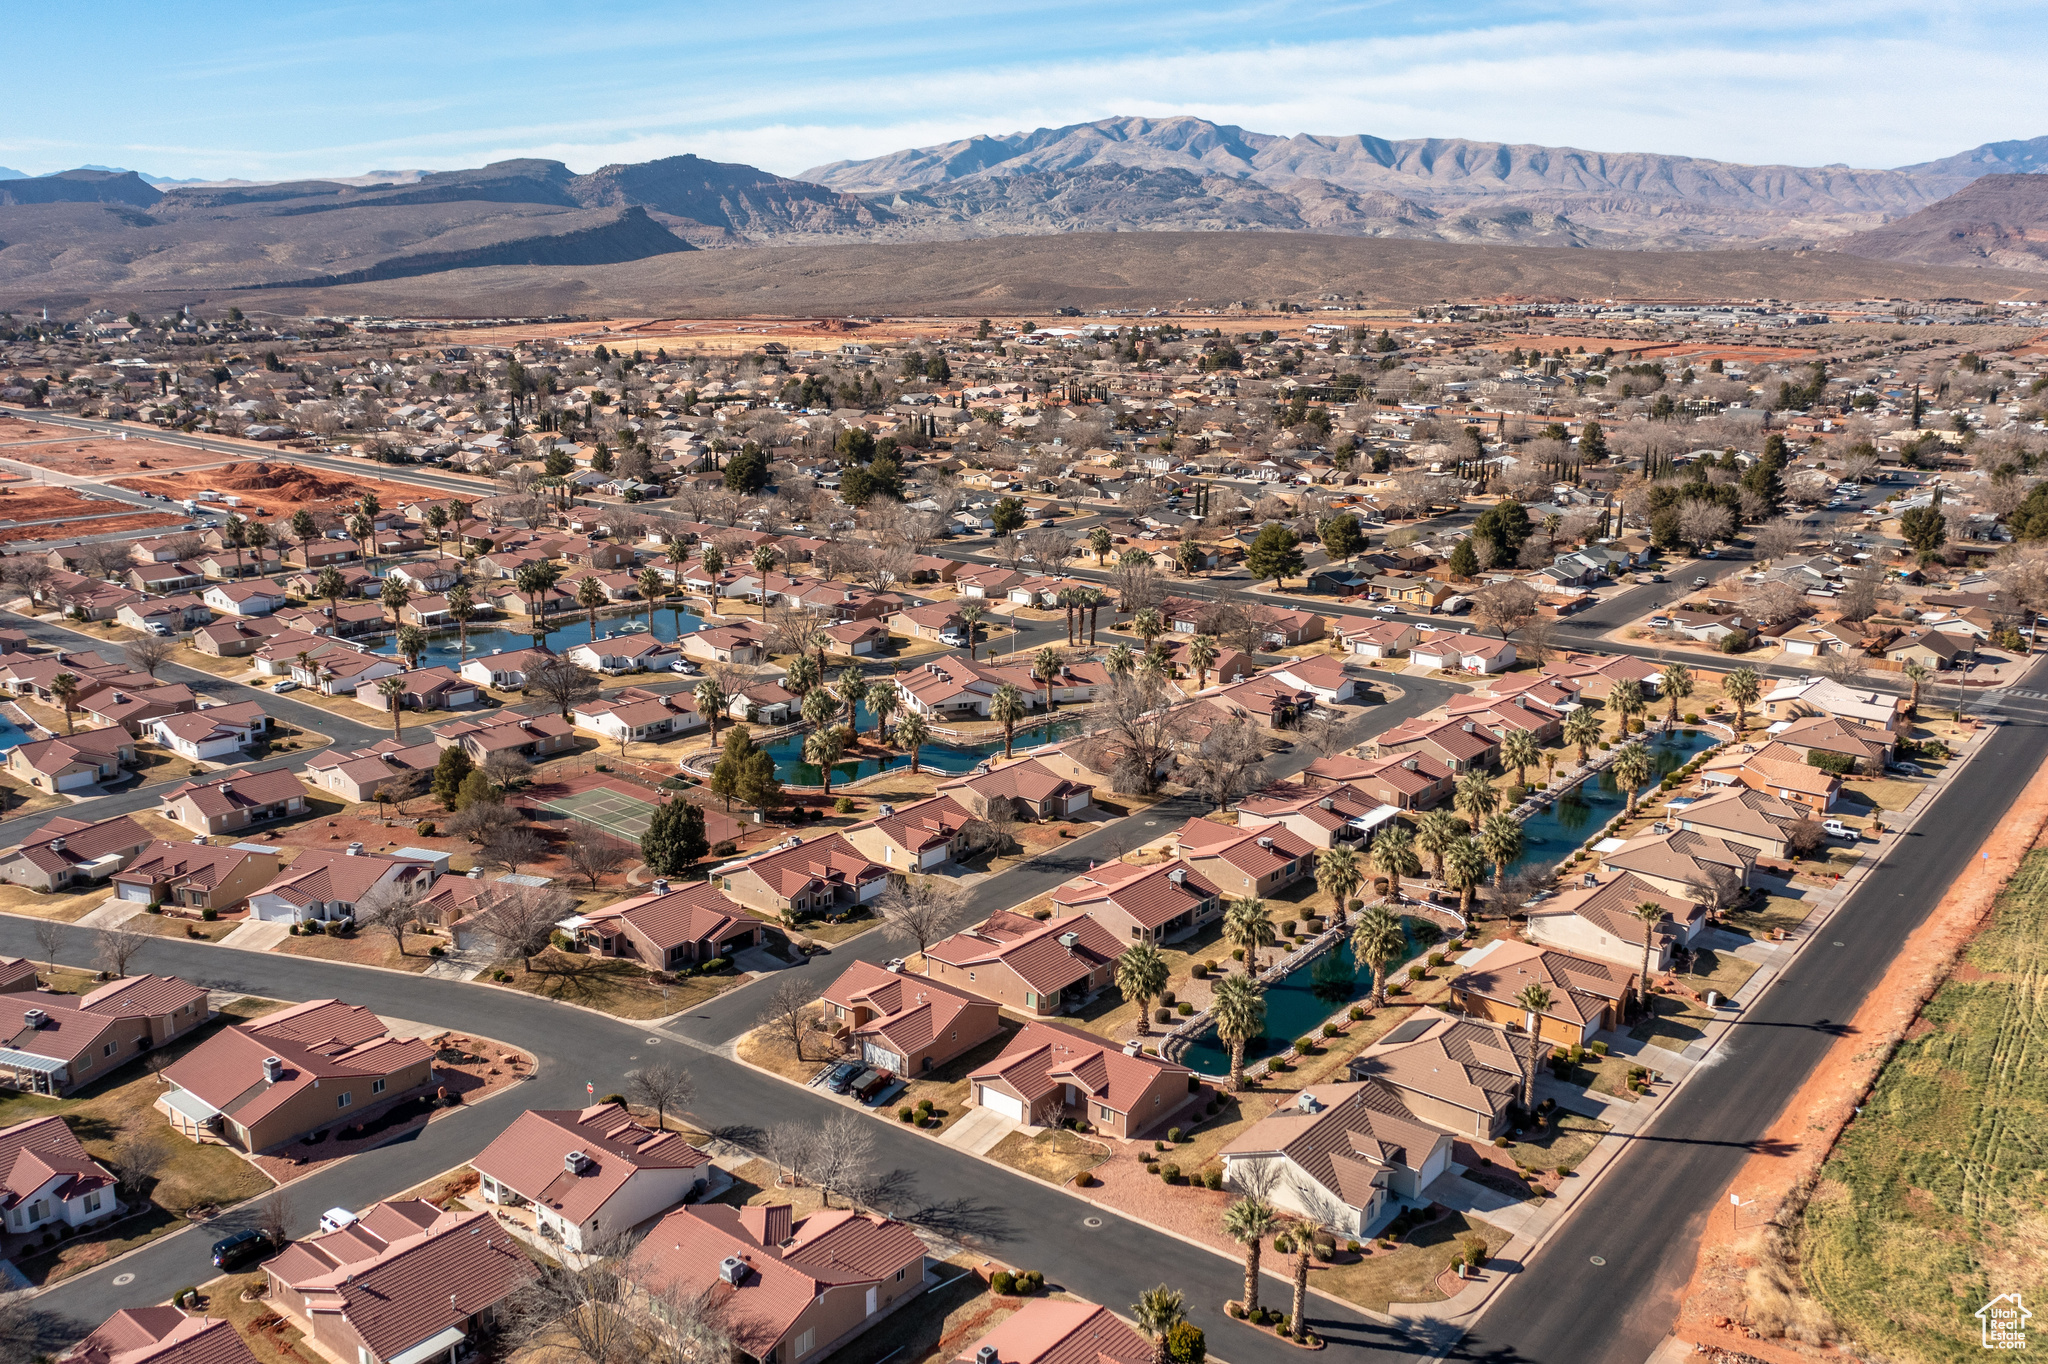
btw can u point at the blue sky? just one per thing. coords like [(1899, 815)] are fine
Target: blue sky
[(273, 91)]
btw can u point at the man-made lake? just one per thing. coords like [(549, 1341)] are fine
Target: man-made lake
[(1299, 1002), (566, 635), (1550, 836), (788, 752), (10, 734)]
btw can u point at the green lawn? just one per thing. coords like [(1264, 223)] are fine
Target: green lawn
[(1933, 1200), (1676, 1024)]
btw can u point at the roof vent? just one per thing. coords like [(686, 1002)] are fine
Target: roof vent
[(575, 1162), (56, 845), (35, 1018), (732, 1269), (273, 1070)]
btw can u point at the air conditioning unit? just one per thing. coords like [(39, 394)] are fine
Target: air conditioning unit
[(35, 1018), (985, 1355), (1069, 940), (273, 1070), (56, 845), (1178, 876), (575, 1162), (1326, 803), (1266, 843), (733, 1270), (660, 886), (355, 850), (1308, 1103)]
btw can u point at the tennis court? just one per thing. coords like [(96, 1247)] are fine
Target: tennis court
[(613, 812)]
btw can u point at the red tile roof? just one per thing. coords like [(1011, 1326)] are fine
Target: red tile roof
[(1033, 949), (1051, 1331), (160, 1335), (33, 1153), (233, 791), (529, 1157), (829, 860), (910, 1011), (82, 842), (1151, 895), (1045, 1056), (320, 1039), (671, 918)]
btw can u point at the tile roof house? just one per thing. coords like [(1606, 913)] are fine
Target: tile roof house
[(506, 669), (787, 1289), (1698, 866), (337, 671), (590, 1173), (627, 652), (1754, 819), (406, 1283), (1464, 653), (1355, 1143), (260, 1084), (74, 761), (635, 714), (63, 1041), (1323, 816), (827, 875), (1594, 674), (1050, 1073), (1406, 781), (196, 876), (953, 687), (233, 801), (1321, 675), (907, 1024), (1597, 919), (1032, 790), (666, 929), (435, 688), (360, 774), (324, 884), (1240, 861), (1460, 1074), (916, 837), (257, 598), (1057, 1331), (49, 1181), (66, 851), (1462, 745), (1154, 904), (1866, 745), (530, 736), (725, 644), (1037, 967), (1776, 768), (1587, 995), (1378, 638), (212, 733), (160, 1335), (133, 708)]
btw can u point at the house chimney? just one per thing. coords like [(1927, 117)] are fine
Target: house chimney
[(273, 1070)]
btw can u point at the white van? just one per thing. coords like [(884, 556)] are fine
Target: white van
[(334, 1219)]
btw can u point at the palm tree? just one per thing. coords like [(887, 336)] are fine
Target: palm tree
[(822, 749), (1238, 1005), (1917, 673), (461, 610), (1201, 657), (235, 534), (819, 706), (1500, 838), (305, 530), (1303, 1241), (1438, 830), (1120, 661), (763, 560), (534, 581), (1393, 856), (1141, 974), (713, 560), (1093, 599), (437, 523), (1045, 666), (1338, 874), (1249, 1221), (711, 703), (1152, 665), (362, 530), (970, 616), (650, 585), (1148, 625), (330, 585), (1745, 687), (1246, 924), (911, 733), (395, 596), (64, 687), (412, 644), (391, 689), (1649, 913), (1625, 699), (883, 699), (1376, 943), (259, 537), (1676, 683), (853, 689), (1582, 727), (1631, 769), (1100, 540), (1006, 708), (1535, 1000), (1068, 599), (1518, 750), (1157, 1311), (1464, 870), (1477, 795), (590, 595)]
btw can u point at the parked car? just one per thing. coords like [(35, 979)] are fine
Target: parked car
[(334, 1219), (1834, 828), (1699, 582), (1387, 608), (868, 1084), (1908, 769), (241, 1248), (841, 1076), (1659, 622), (286, 685)]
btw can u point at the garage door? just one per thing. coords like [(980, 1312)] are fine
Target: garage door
[(131, 891), (996, 1100)]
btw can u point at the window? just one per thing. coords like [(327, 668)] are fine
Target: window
[(107, 1050), (899, 1275), (92, 1202), (1106, 1113), (376, 1086), (803, 1345), (347, 1097)]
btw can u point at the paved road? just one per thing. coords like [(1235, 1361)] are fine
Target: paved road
[(1646, 1216)]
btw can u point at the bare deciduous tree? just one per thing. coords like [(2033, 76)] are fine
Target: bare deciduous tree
[(149, 653), (1504, 606), (1137, 731), (115, 946), (274, 1217), (920, 909), (391, 907), (507, 769), (586, 1298), (519, 920), (139, 1156), (50, 934), (591, 857), (661, 1086), (789, 1012), (842, 1156), (1226, 765)]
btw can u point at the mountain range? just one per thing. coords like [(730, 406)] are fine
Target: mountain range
[(91, 230)]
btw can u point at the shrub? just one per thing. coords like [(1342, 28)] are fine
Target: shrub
[(1162, 1015), (1304, 1046), (1083, 1180), (1257, 1316), (1002, 1283), (1417, 971), (715, 965), (437, 951), (613, 1099), (1212, 1178), (1289, 926), (1331, 1030), (844, 805), (425, 828), (1166, 996), (1030, 1281), (924, 1106), (1352, 1246), (1279, 1320), (1599, 1048), (1159, 1146), (1199, 971), (1215, 1107), (1169, 1172), (1358, 1013), (1185, 1344), (1692, 717), (1184, 1009), (725, 848), (1237, 954), (1436, 959), (1236, 1309), (501, 975), (562, 941), (1174, 1136), (1316, 923), (158, 909), (209, 914)]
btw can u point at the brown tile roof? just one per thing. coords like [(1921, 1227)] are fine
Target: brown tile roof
[(1045, 1056), (1035, 952), (160, 1335), (829, 860), (1611, 904), (233, 791), (320, 1039), (1348, 1136), (910, 1011), (1255, 852), (931, 823), (1051, 1331), (530, 1156), (91, 748), (33, 1153), (1681, 856), (1471, 1065), (82, 842), (1029, 780), (675, 917), (1580, 987), (1151, 895)]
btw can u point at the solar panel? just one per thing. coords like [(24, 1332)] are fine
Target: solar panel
[(1409, 1031)]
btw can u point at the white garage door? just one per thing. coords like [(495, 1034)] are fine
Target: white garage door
[(131, 891), (996, 1100)]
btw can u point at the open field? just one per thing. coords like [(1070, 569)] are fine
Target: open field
[(1932, 1202), (69, 451), (278, 488)]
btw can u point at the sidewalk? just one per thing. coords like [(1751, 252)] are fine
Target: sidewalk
[(1442, 1324)]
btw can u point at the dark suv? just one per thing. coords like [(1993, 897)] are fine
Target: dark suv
[(241, 1248)]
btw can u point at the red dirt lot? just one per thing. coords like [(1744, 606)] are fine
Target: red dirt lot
[(280, 489), (23, 502), (69, 451)]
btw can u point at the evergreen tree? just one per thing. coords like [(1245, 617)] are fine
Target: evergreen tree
[(1506, 524), (1275, 554), (1464, 559), (675, 839), (759, 786), (475, 787), (449, 773)]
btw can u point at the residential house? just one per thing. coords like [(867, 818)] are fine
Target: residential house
[(1798, 698), (1708, 627), (627, 652), (1154, 904), (1463, 653), (405, 1283), (1593, 674), (234, 638), (1587, 996), (1498, 714), (1030, 789), (339, 671), (826, 876), (1051, 1073), (1461, 745), (787, 1289), (357, 776), (1407, 781), (507, 669), (1867, 747), (323, 884), (160, 1335), (1349, 1145), (1934, 649), (1378, 638), (436, 688), (857, 638), (1457, 1073), (196, 876), (66, 851), (636, 715), (164, 615), (234, 801), (164, 577), (667, 929), (60, 1042), (955, 688), (1240, 862), (532, 737), (214, 734), (740, 644), (939, 620), (919, 837), (1783, 772), (1057, 1331), (1323, 677), (134, 708), (1037, 967), (75, 761), (50, 1181), (258, 598), (1752, 818), (1700, 867), (426, 575), (907, 1024), (1598, 919), (1337, 815), (764, 703), (589, 1173), (274, 1079)]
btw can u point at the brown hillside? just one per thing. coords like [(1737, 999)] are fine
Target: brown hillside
[(2000, 221)]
